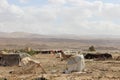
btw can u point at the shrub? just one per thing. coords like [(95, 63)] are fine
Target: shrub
[(92, 48), (32, 52)]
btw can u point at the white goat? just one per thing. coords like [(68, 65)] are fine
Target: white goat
[(27, 60), (75, 64)]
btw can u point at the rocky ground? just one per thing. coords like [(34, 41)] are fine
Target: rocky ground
[(95, 70)]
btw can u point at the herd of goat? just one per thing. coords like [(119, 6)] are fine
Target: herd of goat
[(98, 56), (75, 62), (102, 56)]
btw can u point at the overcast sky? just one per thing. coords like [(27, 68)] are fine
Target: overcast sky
[(81, 17)]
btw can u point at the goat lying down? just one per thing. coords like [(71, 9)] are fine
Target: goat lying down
[(75, 64), (27, 60)]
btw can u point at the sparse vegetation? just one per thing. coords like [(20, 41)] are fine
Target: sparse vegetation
[(28, 50), (32, 52), (92, 48)]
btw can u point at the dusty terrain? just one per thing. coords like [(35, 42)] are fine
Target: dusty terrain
[(95, 70), (56, 43)]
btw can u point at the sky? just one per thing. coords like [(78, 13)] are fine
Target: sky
[(79, 17)]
